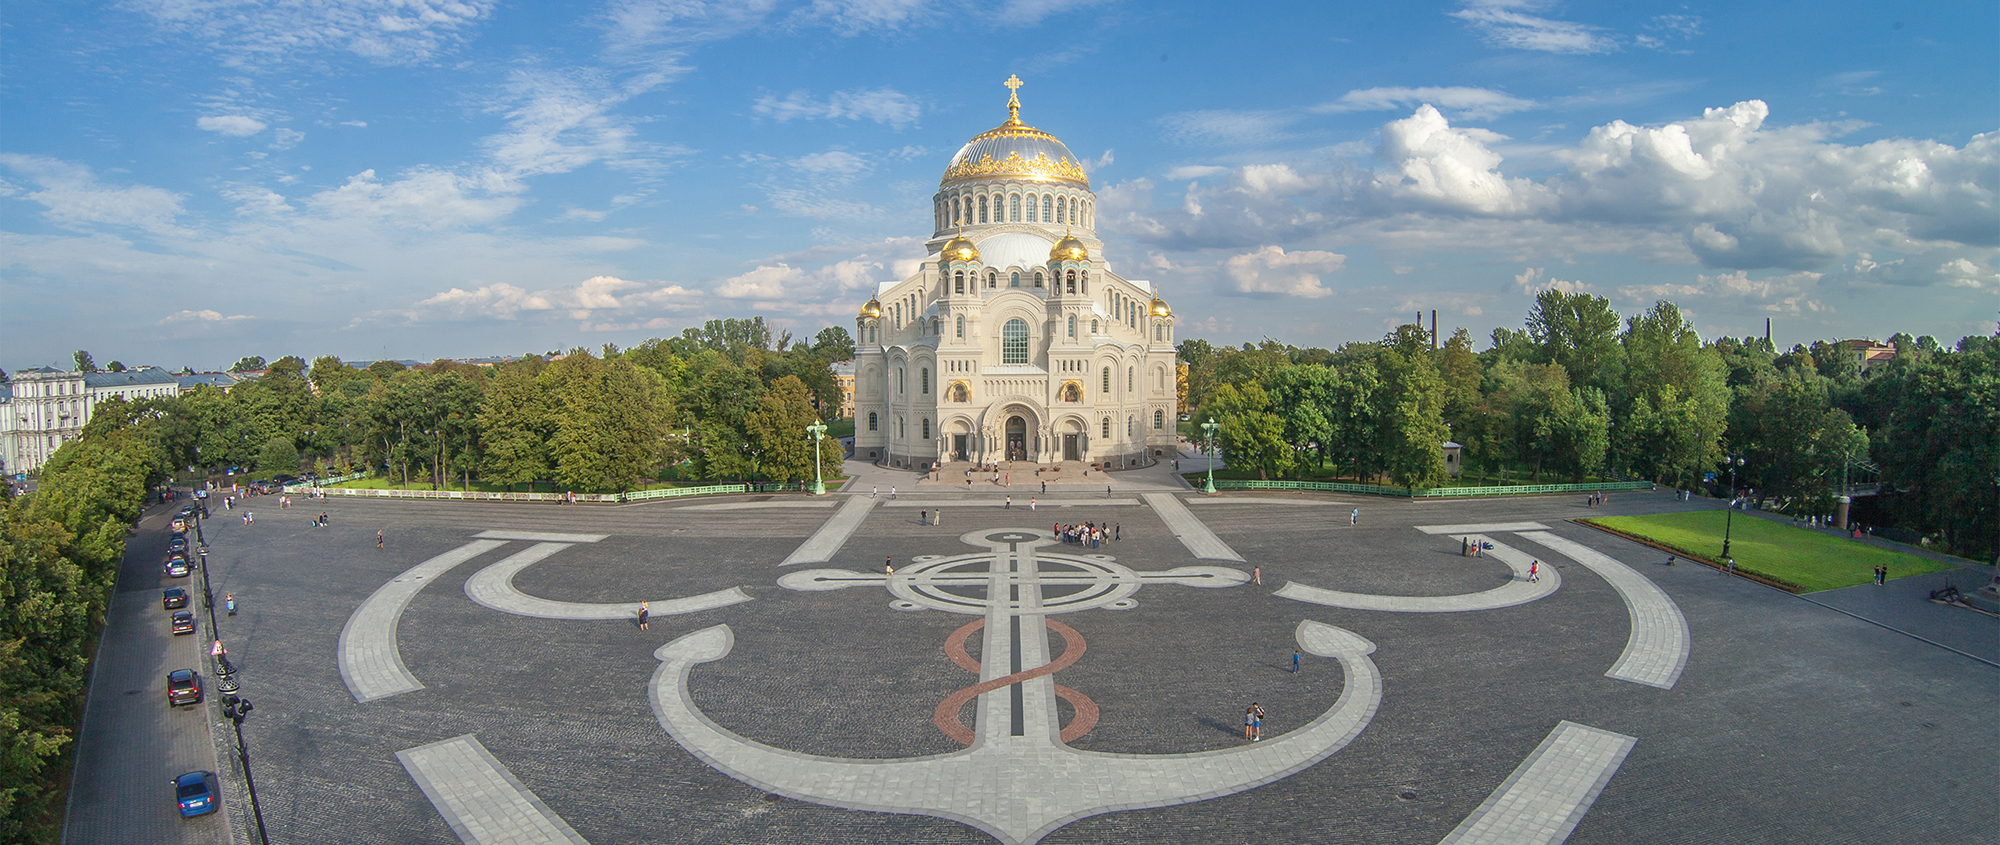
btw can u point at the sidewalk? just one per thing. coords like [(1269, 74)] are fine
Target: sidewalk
[(864, 476)]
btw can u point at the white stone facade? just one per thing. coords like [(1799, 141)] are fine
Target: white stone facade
[(1014, 341), (42, 408)]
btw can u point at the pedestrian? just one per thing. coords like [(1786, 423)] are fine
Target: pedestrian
[(1258, 711), (1295, 661), (1534, 571), (1045, 488), (1107, 491), (1354, 518), (892, 491), (1670, 560), (873, 492), (938, 518), (1250, 723), (1256, 575), (888, 566), (1031, 503), (378, 540), (645, 613), (1010, 503), (968, 482), (229, 601), (1117, 531), (923, 517)]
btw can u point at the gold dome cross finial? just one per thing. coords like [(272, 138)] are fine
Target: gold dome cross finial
[(1013, 84)]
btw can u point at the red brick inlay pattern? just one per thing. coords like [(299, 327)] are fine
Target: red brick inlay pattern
[(946, 717)]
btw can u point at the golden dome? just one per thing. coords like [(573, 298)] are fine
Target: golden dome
[(1069, 249), (959, 249), (1015, 150), (872, 310), (1160, 309)]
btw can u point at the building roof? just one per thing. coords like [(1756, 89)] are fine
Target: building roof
[(222, 380), (42, 371), (142, 375), (843, 368)]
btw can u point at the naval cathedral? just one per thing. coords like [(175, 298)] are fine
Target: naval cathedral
[(1013, 341)]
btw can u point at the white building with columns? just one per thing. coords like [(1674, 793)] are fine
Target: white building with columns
[(1014, 340)]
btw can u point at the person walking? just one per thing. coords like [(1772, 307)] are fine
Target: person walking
[(229, 601), (1031, 503), (1117, 531), (1354, 517), (378, 540), (1045, 488), (1256, 575), (1534, 571), (874, 491), (938, 518), (888, 566), (645, 616), (1295, 661), (1010, 503), (1250, 722), (892, 491), (923, 517)]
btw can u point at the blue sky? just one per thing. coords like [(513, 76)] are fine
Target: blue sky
[(183, 182)]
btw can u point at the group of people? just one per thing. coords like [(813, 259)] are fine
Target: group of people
[(1253, 722), (1090, 535), (1594, 500)]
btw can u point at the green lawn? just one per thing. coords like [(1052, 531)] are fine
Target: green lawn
[(1807, 559)]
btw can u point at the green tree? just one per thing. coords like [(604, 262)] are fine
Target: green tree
[(517, 425), (247, 364), (278, 455), (1678, 399), (83, 362), (1410, 410), (610, 422), (777, 431), (115, 367), (1578, 331), (1251, 436)]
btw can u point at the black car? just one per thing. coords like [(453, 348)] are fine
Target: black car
[(174, 598), (183, 622), (177, 543), (183, 687)]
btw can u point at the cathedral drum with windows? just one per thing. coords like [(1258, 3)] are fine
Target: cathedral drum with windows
[(1013, 342)]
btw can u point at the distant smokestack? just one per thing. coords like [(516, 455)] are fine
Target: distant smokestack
[(1434, 328), (1767, 330)]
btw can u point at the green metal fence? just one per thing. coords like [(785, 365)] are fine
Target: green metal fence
[(1428, 492)]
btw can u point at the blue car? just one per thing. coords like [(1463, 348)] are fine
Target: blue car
[(196, 794)]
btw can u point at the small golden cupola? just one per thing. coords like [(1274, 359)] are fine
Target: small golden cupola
[(1159, 308), (1069, 249), (959, 248), (873, 310)]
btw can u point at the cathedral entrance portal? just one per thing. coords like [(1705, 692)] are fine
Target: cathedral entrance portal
[(1070, 451), (958, 447), (1017, 439)]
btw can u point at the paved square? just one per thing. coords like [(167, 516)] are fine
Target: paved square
[(483, 678)]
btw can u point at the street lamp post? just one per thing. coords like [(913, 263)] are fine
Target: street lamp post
[(1210, 428), (1729, 518), (234, 709), (818, 432)]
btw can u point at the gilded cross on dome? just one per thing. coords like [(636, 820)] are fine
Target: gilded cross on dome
[(1013, 84)]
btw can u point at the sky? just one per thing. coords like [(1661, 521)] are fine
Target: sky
[(187, 182)]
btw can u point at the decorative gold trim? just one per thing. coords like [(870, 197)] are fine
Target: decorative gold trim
[(1039, 167)]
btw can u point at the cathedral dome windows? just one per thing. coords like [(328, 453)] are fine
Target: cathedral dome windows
[(1072, 327), (1107, 381), (958, 282), (961, 328), (1015, 281)]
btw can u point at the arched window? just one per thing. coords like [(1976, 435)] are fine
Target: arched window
[(1061, 206), (871, 420), (1038, 278), (982, 212), (1107, 428), (1159, 420), (958, 280), (1072, 326), (1014, 208), (1159, 333), (902, 430), (899, 380), (1107, 381), (1045, 208), (961, 327), (1072, 212), (927, 428), (1015, 281), (992, 279), (934, 326), (968, 209), (1130, 425), (1072, 282), (1130, 374), (1014, 342), (1093, 328), (924, 382)]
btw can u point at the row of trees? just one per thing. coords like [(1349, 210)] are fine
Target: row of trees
[(721, 402), (1582, 392)]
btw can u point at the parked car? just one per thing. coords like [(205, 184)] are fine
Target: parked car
[(174, 597), (195, 794), (183, 687), (177, 566), (183, 622), (177, 543)]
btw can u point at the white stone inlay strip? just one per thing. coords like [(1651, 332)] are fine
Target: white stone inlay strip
[(1019, 789), (821, 546), (1191, 532), (1517, 591), (482, 801), (494, 588), (752, 506), (370, 661), (1482, 528), (1657, 650), (1020, 502), (541, 536), (1541, 802)]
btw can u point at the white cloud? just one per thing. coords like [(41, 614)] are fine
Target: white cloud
[(1472, 103), (252, 35), (426, 198), (202, 316), (285, 139), (1031, 12), (584, 301), (1270, 270), (358, 124), (838, 162), (1507, 23), (1195, 171), (563, 120), (854, 16), (73, 196), (1430, 162), (636, 26), (234, 125), (1533, 280), (1788, 294), (1229, 127), (881, 105)]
